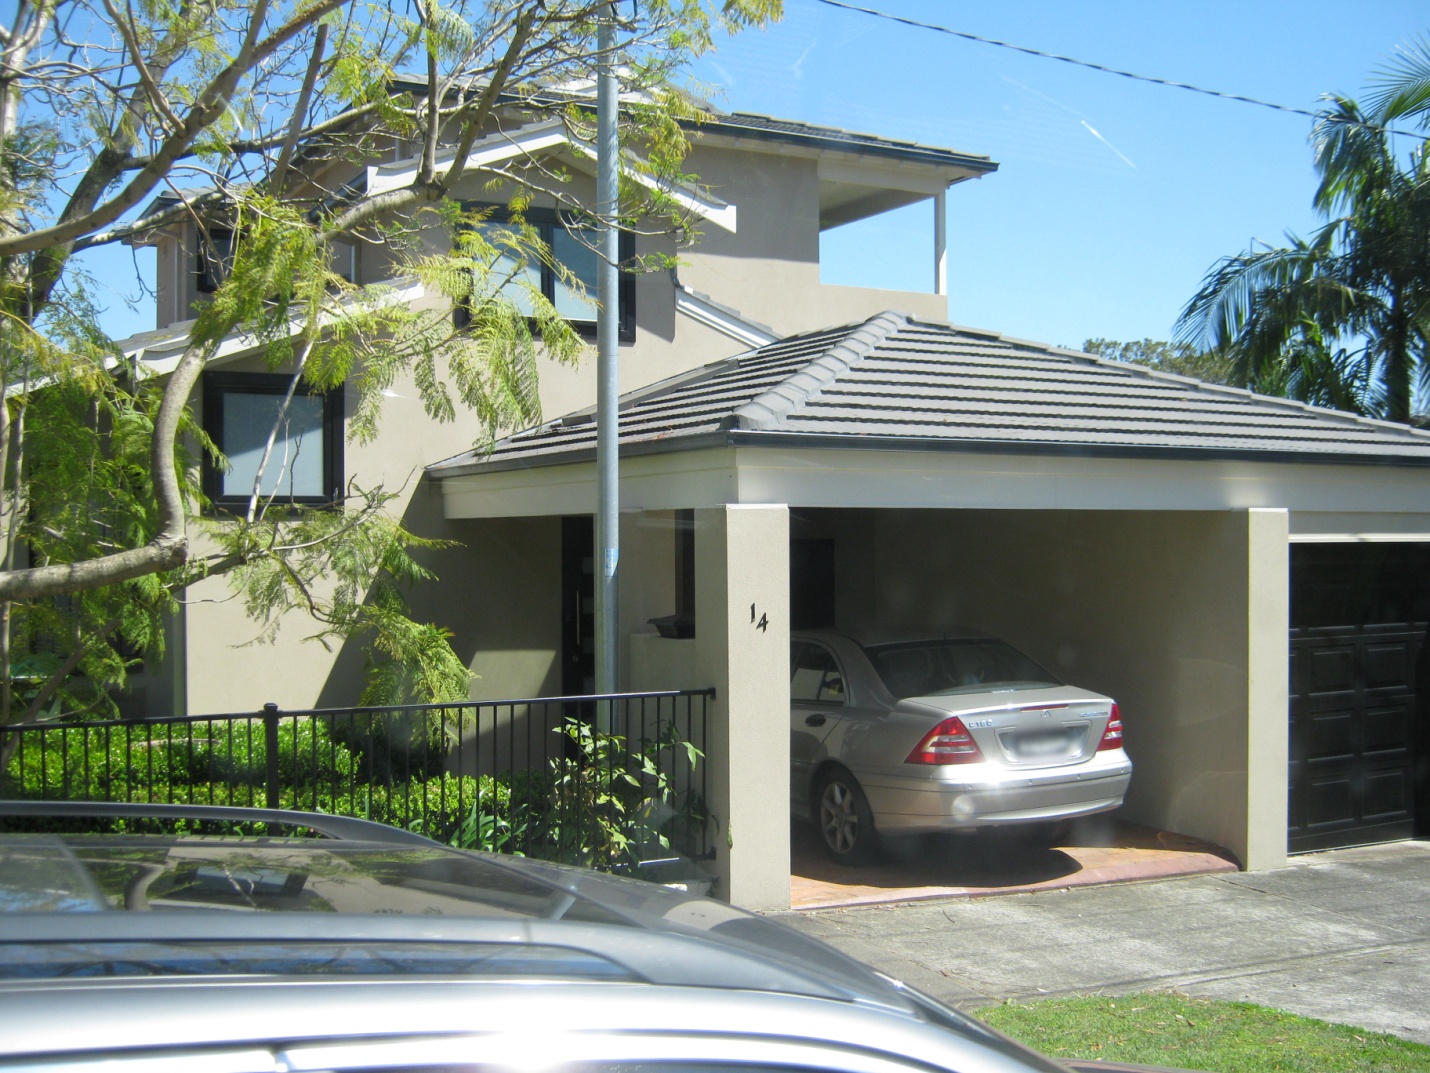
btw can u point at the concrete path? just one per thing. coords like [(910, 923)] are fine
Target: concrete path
[(1343, 936)]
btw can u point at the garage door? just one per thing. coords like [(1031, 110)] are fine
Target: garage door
[(1359, 694)]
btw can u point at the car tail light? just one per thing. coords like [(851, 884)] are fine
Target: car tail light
[(947, 743), (1112, 736)]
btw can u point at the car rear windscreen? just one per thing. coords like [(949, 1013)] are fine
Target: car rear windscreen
[(935, 668)]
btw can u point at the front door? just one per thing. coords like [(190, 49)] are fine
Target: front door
[(578, 606)]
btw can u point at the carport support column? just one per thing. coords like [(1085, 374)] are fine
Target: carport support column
[(742, 645), (1268, 603)]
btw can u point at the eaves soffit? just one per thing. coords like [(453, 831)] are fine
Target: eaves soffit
[(750, 127)]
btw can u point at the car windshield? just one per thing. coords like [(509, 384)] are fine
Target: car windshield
[(970, 665), (288, 957), (40, 873)]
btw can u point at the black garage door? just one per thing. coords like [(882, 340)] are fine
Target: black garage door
[(1360, 693)]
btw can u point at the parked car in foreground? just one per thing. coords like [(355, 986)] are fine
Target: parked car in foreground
[(942, 732), (372, 949)]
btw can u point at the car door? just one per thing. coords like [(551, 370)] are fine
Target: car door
[(817, 702)]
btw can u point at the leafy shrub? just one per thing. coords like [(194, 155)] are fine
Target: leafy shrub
[(150, 762), (605, 802)]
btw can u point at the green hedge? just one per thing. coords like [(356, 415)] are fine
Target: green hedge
[(606, 812), (99, 763)]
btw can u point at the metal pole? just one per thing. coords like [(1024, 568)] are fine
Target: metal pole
[(608, 540)]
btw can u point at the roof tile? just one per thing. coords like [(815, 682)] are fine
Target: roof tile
[(892, 380)]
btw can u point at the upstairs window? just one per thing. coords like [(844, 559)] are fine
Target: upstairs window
[(575, 248), (213, 259), (306, 462)]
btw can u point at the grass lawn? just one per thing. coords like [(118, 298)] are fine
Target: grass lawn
[(1168, 1029)]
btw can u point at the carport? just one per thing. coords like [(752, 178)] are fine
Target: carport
[(1132, 530)]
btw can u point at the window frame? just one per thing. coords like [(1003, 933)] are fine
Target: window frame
[(546, 222), (824, 696), (213, 257), (218, 384)]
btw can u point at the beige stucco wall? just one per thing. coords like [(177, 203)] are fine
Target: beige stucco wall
[(226, 672), (1180, 616), (740, 564), (767, 270)]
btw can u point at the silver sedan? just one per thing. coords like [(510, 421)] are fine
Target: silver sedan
[(913, 735)]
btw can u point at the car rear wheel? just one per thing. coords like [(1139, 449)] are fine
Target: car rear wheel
[(846, 824)]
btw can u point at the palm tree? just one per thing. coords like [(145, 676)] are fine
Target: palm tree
[(1341, 319)]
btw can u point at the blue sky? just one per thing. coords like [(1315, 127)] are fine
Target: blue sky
[(1113, 197)]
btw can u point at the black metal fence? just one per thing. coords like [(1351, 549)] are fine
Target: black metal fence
[(616, 781)]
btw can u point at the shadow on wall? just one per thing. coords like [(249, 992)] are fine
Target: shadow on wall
[(497, 592)]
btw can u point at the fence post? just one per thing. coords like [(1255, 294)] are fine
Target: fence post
[(270, 748)]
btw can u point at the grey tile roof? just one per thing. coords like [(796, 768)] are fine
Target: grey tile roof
[(758, 126), (787, 130), (893, 381)]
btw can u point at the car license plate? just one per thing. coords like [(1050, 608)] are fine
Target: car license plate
[(1040, 743)]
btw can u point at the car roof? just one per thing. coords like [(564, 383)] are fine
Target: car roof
[(871, 638), (373, 884), (516, 946)]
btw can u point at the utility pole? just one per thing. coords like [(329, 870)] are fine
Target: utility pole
[(608, 530)]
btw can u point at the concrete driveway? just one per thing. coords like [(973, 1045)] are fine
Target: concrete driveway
[(1343, 936)]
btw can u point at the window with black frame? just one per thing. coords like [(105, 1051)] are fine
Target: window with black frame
[(305, 465), (213, 258), (573, 246)]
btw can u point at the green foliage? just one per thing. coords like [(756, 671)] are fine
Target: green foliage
[(221, 762), (1183, 359), (1343, 318), (87, 484), (201, 100), (606, 802), (1167, 1029)]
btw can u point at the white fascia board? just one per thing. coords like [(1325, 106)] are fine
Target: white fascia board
[(1326, 502), (725, 321), (708, 207), (161, 357), (159, 353), (489, 152), (978, 480), (1329, 527), (704, 478), (498, 149)]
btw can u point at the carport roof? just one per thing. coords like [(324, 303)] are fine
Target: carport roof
[(899, 383)]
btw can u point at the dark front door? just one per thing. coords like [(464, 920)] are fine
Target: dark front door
[(811, 584), (1359, 693), (578, 606)]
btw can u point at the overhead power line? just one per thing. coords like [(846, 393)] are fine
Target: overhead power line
[(1066, 59)]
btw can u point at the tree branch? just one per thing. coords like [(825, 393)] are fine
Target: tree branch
[(208, 108), (156, 95), (53, 683), (169, 547), (147, 223), (300, 112)]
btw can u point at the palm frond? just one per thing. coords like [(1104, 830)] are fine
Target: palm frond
[(1352, 156), (1405, 84)]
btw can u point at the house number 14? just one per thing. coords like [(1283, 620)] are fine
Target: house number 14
[(764, 623)]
